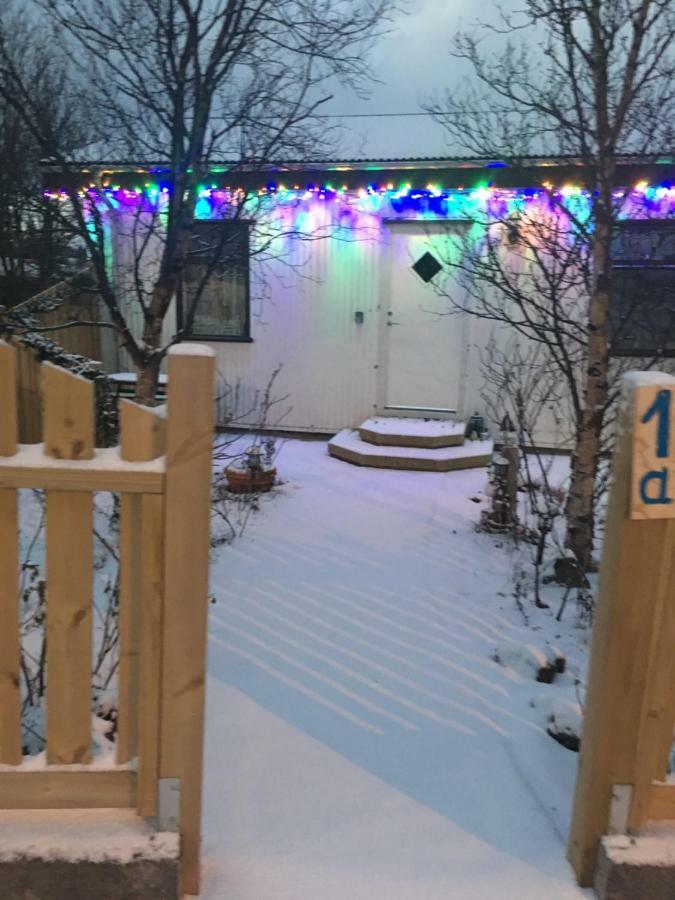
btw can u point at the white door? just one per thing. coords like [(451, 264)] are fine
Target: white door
[(422, 345)]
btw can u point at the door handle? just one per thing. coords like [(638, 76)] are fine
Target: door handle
[(389, 324)]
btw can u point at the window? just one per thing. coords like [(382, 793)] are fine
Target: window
[(427, 267), (216, 278), (642, 315)]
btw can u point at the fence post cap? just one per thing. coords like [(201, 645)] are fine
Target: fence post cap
[(194, 350), (633, 380)]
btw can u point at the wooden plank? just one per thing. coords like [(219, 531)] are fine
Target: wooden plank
[(661, 803), (105, 472), (126, 744), (30, 401), (68, 417), (68, 434), (8, 400), (143, 438), (635, 554), (87, 480), (10, 648), (69, 626), (143, 432), (655, 722), (653, 469), (152, 525), (93, 789), (187, 520)]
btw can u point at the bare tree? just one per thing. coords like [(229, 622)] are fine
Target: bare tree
[(593, 80), (33, 250), (185, 84)]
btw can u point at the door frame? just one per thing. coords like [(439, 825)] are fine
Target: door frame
[(381, 407)]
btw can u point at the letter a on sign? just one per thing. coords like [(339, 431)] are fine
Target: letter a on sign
[(653, 478)]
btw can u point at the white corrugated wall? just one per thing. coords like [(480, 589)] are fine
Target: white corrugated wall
[(303, 322)]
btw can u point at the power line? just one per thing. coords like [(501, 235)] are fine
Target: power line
[(378, 115), (393, 115)]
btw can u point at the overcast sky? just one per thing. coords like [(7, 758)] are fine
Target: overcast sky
[(412, 62)]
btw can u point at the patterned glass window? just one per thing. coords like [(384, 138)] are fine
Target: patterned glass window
[(427, 266), (214, 290)]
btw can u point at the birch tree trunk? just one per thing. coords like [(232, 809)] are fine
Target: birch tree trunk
[(581, 499)]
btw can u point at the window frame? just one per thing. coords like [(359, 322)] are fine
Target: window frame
[(245, 336), (637, 265)]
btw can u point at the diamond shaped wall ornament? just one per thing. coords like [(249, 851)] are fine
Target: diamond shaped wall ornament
[(427, 266)]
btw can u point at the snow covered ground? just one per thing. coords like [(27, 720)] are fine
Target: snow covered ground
[(362, 742)]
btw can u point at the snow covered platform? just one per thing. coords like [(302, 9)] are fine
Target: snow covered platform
[(633, 868), (362, 742), (402, 432), (81, 854), (350, 447)]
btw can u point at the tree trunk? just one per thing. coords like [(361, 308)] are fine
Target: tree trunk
[(147, 381), (581, 498)]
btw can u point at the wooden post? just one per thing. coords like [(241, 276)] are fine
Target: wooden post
[(187, 521), (126, 743), (10, 647), (141, 573), (636, 597), (68, 434)]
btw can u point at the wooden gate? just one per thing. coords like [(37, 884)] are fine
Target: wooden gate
[(630, 702), (162, 472)]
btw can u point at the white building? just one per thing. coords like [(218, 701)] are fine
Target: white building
[(343, 301)]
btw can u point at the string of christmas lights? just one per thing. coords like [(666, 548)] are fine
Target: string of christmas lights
[(432, 199)]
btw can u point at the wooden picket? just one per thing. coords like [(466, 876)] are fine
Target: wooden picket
[(10, 695), (162, 472), (630, 702)]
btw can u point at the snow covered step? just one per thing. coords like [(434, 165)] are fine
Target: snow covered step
[(347, 445), (109, 854), (638, 867), (401, 432)]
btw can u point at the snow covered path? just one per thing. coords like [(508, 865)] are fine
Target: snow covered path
[(361, 742)]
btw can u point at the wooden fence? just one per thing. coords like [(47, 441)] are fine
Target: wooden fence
[(83, 340), (630, 702), (29, 395), (162, 471)]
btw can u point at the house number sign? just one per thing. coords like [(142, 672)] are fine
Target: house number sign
[(653, 476)]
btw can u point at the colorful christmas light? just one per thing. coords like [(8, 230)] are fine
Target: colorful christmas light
[(431, 201)]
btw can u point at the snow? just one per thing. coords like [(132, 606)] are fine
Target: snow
[(192, 350), (101, 761), (32, 456), (94, 835), (656, 849), (648, 379), (130, 377), (523, 659), (361, 740), (414, 427)]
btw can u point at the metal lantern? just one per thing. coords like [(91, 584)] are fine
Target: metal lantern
[(506, 426), (253, 462), (476, 427), (500, 467)]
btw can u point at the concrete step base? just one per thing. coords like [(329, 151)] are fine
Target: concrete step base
[(398, 432), (348, 446), (636, 868), (85, 854)]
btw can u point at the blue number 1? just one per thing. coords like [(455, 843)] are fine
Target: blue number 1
[(661, 407)]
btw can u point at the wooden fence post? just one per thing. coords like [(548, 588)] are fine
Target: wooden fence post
[(636, 595), (68, 434), (187, 546), (10, 649), (141, 573)]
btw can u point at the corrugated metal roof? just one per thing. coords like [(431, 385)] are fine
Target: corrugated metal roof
[(426, 162)]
